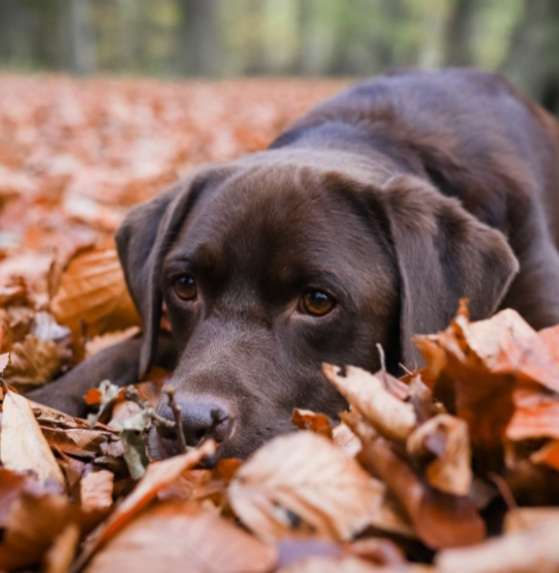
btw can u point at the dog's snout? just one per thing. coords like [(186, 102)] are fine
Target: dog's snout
[(199, 419)]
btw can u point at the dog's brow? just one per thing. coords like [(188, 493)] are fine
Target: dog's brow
[(202, 256)]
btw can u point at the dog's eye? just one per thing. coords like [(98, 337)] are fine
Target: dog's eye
[(185, 287), (316, 302)]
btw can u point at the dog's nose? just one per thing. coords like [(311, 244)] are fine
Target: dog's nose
[(199, 419)]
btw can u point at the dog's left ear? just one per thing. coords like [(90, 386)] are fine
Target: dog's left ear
[(443, 254), (144, 239)]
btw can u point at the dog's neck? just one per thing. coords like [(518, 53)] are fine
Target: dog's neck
[(369, 158), (349, 145)]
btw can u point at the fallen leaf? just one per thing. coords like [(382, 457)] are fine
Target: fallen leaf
[(444, 438), (535, 415), (301, 482), (177, 536), (32, 517), (523, 518), (23, 446), (317, 423), (14, 292), (4, 361), (378, 551), (158, 476), (61, 554), (367, 393), (96, 491), (346, 440), (93, 293), (547, 455), (440, 520), (480, 368), (102, 341), (33, 362), (523, 552)]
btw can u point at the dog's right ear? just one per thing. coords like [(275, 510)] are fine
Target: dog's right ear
[(142, 241)]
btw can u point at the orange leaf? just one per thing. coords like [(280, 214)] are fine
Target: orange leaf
[(158, 476), (93, 292), (178, 536)]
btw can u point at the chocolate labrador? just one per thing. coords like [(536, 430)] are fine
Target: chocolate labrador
[(363, 224)]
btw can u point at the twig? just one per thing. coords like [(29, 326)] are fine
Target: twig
[(405, 368), (160, 420), (382, 358), (177, 414)]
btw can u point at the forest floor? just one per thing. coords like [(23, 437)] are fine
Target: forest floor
[(453, 468)]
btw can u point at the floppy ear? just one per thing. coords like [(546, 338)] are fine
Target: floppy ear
[(443, 254), (142, 242)]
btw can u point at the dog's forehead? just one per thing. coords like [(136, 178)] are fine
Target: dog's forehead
[(287, 218), (281, 207)]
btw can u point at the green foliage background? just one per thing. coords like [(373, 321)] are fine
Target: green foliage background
[(224, 38)]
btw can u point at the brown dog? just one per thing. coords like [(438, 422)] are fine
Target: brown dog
[(364, 223)]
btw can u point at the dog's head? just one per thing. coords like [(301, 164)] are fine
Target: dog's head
[(272, 265)]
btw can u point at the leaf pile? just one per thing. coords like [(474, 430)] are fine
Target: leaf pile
[(421, 474), (451, 468)]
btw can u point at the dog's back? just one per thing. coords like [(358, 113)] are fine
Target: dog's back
[(470, 132)]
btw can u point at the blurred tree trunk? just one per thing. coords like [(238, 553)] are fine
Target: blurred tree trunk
[(304, 62), (533, 59), (128, 34), (82, 53), (256, 49), (199, 42), (12, 21), (459, 33)]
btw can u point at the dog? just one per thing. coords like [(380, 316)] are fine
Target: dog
[(364, 223)]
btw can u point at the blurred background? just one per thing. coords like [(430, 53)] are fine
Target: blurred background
[(311, 38)]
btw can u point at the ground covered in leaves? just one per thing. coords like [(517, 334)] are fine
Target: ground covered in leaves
[(453, 468)]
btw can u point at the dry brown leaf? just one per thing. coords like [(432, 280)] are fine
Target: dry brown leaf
[(77, 441), (522, 518), (32, 362), (346, 440), (440, 520), (14, 292), (369, 395), (4, 360), (47, 416), (530, 551), (74, 436), (93, 293), (32, 515), (11, 485), (23, 446), (301, 482), (190, 485), (98, 343), (445, 438), (308, 420), (536, 415), (177, 536), (377, 551), (96, 491), (158, 476), (547, 455), (61, 554), (480, 367)]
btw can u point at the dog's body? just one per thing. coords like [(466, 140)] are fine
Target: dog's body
[(363, 224)]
